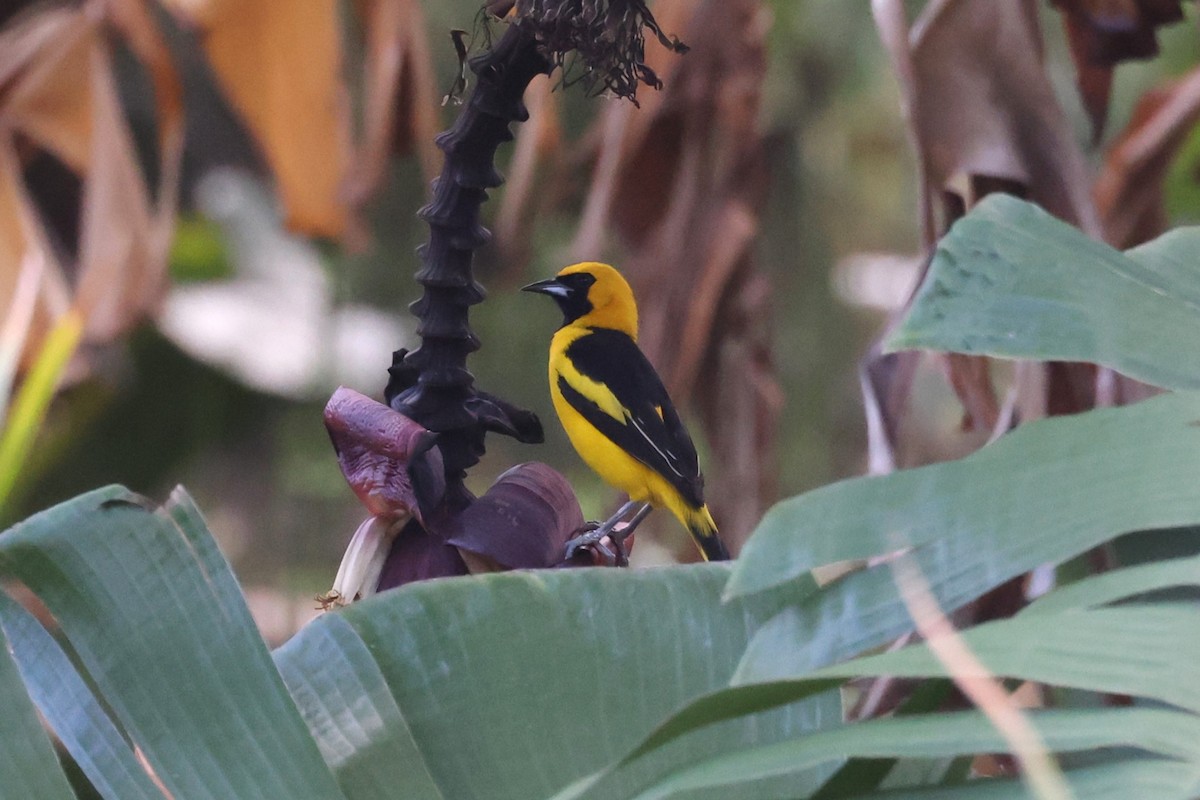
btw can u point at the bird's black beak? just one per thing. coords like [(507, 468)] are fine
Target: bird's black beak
[(550, 286)]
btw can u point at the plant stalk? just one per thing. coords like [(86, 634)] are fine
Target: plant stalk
[(431, 385)]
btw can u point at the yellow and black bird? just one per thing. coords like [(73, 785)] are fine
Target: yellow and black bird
[(615, 409)]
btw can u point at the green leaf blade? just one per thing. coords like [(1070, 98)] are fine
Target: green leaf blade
[(350, 711), (1043, 481), (517, 685), (1155, 731), (192, 682), (1119, 779), (1011, 281), (1134, 650), (1141, 650), (28, 764), (71, 709), (1109, 587)]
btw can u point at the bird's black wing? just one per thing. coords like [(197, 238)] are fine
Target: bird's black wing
[(653, 432)]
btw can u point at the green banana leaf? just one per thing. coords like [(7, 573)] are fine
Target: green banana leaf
[(1010, 280), (509, 685)]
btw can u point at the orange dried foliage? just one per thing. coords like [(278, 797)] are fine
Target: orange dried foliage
[(983, 118), (1102, 33), (1129, 190), (400, 104), (61, 99), (279, 63)]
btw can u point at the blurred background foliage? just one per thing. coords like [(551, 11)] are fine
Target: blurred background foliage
[(221, 386)]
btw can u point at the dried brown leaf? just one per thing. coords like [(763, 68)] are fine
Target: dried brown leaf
[(971, 379), (1102, 33), (1129, 190), (133, 19), (985, 107), (1094, 79), (687, 197), (61, 105), (500, 8), (984, 119), (885, 382), (1070, 387), (41, 63), (18, 319), (733, 231), (891, 20), (280, 65), (1119, 30), (29, 314), (399, 96), (119, 273), (743, 410), (15, 218), (626, 131)]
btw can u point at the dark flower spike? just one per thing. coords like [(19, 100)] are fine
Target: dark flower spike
[(431, 384), (501, 416), (607, 37)]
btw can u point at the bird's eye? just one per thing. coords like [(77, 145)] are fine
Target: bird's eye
[(578, 280)]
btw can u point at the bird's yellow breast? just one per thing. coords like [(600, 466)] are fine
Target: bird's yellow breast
[(606, 458)]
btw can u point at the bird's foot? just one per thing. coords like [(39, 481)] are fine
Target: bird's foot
[(583, 540), (605, 542), (608, 538)]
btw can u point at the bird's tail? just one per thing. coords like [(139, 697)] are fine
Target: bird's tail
[(704, 532)]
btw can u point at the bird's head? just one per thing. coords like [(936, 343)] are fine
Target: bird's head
[(591, 295)]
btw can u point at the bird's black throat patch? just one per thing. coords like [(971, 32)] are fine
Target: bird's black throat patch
[(575, 303)]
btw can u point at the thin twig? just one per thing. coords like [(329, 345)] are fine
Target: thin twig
[(1039, 768)]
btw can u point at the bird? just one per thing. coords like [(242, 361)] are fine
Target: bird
[(616, 411)]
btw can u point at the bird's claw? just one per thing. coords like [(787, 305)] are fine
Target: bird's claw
[(594, 536), (607, 543), (582, 537)]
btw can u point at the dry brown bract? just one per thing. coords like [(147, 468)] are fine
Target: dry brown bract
[(983, 117), (1103, 33), (98, 241), (281, 65)]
